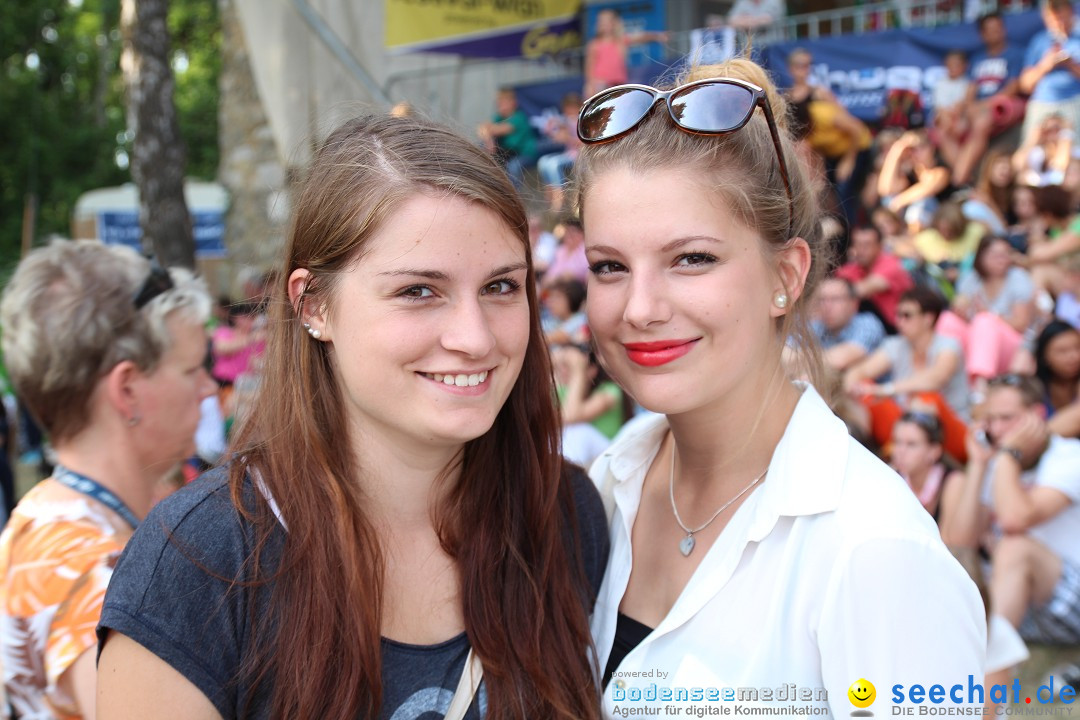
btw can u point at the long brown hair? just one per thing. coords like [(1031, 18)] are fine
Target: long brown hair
[(999, 196), (508, 523)]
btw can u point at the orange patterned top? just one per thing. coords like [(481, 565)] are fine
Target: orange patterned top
[(56, 558)]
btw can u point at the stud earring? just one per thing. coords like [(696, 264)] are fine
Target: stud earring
[(307, 326), (133, 420), (314, 333), (780, 300)]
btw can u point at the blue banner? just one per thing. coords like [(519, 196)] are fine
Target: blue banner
[(122, 228), (862, 69)]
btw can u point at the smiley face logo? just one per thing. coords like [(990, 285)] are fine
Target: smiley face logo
[(862, 693)]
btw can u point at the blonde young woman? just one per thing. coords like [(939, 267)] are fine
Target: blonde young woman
[(754, 542)]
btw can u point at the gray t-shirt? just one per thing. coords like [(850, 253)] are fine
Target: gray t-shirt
[(955, 392), (1016, 288), (170, 593)]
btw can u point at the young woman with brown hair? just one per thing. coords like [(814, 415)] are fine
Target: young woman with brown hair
[(396, 505)]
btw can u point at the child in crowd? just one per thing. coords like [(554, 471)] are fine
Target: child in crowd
[(554, 167), (949, 93), (509, 137), (564, 317)]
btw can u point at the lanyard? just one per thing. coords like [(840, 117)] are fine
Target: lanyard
[(94, 489)]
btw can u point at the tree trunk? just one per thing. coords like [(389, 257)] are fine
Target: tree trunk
[(159, 156)]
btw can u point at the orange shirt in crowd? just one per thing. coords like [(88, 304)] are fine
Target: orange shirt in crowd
[(56, 558)]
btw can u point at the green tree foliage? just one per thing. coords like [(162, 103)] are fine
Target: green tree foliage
[(54, 146), (63, 117), (196, 40)]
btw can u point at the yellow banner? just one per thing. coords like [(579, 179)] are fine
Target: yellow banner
[(419, 23)]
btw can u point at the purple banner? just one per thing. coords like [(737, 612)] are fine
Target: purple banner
[(532, 42)]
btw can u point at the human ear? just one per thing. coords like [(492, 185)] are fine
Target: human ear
[(311, 313), (121, 392), (792, 267)]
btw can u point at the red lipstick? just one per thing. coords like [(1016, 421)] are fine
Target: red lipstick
[(660, 352)]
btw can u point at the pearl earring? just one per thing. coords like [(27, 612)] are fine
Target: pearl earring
[(780, 300), (314, 333)]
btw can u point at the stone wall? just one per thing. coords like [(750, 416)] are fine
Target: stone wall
[(250, 169)]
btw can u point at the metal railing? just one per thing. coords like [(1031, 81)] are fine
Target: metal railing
[(859, 19), (874, 16)]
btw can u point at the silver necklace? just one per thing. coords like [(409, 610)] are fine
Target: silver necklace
[(686, 545)]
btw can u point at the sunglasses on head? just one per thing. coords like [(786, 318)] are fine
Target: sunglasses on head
[(156, 283), (714, 106), (930, 424), (1007, 380)]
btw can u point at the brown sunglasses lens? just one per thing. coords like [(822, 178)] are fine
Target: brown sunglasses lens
[(614, 113), (715, 107)]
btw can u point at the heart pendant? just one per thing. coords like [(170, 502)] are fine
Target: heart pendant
[(686, 545)]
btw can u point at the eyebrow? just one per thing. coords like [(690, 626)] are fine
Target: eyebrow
[(673, 245), (679, 242), (507, 269), (429, 274), (440, 275)]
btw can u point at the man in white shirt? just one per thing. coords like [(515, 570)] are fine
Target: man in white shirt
[(1024, 486)]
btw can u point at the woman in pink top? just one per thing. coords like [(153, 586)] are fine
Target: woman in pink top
[(917, 454), (235, 345), (605, 54)]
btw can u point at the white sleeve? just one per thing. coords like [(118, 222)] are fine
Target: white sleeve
[(1060, 468), (900, 612), (1005, 648)]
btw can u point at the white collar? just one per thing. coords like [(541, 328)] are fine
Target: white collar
[(807, 469)]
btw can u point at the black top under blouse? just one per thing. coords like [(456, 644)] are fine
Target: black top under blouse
[(629, 633)]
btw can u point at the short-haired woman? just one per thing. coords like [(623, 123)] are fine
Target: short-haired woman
[(107, 352)]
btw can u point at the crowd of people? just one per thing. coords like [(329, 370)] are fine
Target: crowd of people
[(746, 311), (550, 143), (949, 322), (950, 326)]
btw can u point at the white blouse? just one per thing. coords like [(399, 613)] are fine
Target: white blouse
[(830, 572)]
